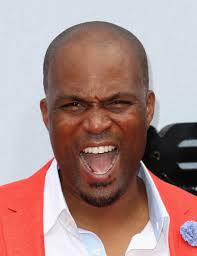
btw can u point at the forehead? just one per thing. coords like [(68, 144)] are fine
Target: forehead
[(87, 64)]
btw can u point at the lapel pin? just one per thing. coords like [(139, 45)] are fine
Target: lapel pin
[(188, 232)]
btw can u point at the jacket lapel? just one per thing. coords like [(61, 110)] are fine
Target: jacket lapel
[(180, 206), (23, 219)]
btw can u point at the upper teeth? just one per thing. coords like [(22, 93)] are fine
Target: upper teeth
[(98, 150)]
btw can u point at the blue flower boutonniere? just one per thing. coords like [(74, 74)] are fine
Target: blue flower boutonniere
[(189, 232)]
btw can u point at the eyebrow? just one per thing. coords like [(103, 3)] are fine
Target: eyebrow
[(119, 95), (107, 99)]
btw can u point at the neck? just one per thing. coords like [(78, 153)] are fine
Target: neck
[(131, 209)]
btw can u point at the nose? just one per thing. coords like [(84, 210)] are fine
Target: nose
[(97, 121)]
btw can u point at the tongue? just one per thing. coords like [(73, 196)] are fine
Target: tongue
[(99, 163)]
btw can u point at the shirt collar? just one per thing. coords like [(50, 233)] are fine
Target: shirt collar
[(54, 202), (55, 205), (158, 214)]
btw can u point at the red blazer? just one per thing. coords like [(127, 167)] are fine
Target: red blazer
[(21, 216)]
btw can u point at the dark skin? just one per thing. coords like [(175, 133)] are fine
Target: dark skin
[(94, 98)]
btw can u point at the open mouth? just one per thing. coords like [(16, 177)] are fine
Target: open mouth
[(99, 160)]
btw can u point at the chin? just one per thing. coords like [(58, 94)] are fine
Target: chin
[(102, 198)]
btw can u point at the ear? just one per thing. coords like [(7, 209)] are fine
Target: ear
[(44, 111), (150, 106)]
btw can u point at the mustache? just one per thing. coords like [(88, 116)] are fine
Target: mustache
[(105, 135), (108, 137)]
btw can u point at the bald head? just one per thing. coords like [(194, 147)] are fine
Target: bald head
[(99, 34)]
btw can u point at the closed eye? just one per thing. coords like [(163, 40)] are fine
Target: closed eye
[(74, 106), (118, 105), (119, 102)]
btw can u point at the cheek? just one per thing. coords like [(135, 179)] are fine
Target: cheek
[(62, 125), (134, 131), (133, 125), (63, 140), (62, 132)]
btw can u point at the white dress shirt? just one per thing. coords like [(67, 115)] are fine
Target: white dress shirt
[(63, 237)]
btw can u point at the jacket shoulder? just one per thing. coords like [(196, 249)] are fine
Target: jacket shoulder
[(175, 197), (25, 188)]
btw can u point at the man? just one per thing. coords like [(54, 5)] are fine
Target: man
[(95, 197)]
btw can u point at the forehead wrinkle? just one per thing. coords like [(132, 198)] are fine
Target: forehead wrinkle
[(108, 90), (79, 84)]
